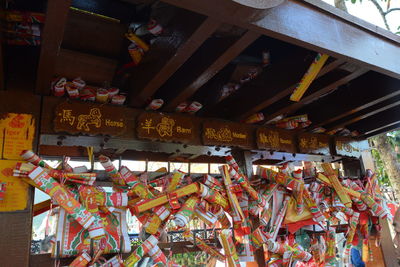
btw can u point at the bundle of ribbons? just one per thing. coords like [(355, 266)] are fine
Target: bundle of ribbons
[(282, 202)]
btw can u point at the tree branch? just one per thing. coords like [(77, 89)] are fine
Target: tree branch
[(383, 14), (391, 10)]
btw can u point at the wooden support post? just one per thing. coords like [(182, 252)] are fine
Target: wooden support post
[(53, 33), (2, 76), (387, 246), (243, 159)]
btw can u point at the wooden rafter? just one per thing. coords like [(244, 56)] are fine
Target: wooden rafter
[(53, 32), (384, 129), (318, 94), (2, 76), (372, 111), (330, 32), (232, 52), (176, 61), (358, 108), (377, 121), (284, 93)]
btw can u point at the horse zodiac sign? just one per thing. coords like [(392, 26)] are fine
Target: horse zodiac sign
[(94, 118)]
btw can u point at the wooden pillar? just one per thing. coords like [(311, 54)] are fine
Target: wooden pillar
[(387, 246), (243, 159)]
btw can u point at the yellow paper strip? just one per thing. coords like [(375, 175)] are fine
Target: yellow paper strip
[(309, 77), (332, 176), (349, 191)]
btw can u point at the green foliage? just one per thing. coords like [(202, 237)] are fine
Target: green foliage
[(383, 177), (394, 140)]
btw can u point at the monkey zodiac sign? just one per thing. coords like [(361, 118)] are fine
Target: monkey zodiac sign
[(94, 118)]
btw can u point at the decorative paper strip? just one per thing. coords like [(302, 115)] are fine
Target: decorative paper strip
[(244, 249), (332, 176), (61, 195), (158, 256), (31, 157), (112, 171), (136, 186), (207, 217), (349, 191), (309, 77), (81, 261), (213, 196), (184, 215), (278, 221), (350, 235), (175, 180), (229, 248), (74, 239), (212, 182), (163, 199), (237, 213)]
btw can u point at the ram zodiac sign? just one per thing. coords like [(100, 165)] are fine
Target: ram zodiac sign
[(94, 117)]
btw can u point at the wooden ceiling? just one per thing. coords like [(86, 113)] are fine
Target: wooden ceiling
[(202, 46)]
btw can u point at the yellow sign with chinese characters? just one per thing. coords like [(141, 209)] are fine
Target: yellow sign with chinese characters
[(158, 126), (16, 132), (15, 195)]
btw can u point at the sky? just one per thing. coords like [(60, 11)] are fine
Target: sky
[(368, 12)]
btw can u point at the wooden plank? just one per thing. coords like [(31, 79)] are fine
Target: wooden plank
[(90, 118), (163, 127), (345, 146), (276, 139), (314, 96), (313, 29), (50, 105), (314, 143), (93, 69), (286, 92), (214, 68), (88, 33), (53, 32), (372, 111), (222, 133), (176, 61)]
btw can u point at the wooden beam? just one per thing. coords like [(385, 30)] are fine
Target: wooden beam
[(376, 121), (2, 76), (373, 111), (213, 69), (313, 29), (318, 94), (267, 102), (53, 32), (163, 48), (358, 108), (82, 34), (384, 129), (95, 69), (176, 61)]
